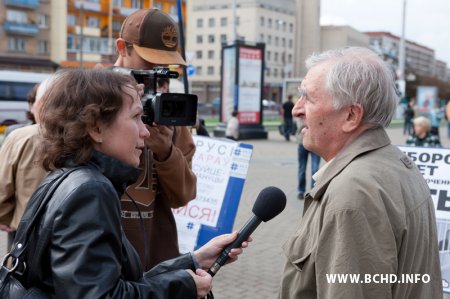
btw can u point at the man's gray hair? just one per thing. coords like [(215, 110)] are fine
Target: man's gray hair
[(358, 75)]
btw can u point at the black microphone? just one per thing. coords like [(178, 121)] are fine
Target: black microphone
[(269, 203)]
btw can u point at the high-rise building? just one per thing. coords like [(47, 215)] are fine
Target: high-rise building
[(419, 58), (42, 35), (336, 37), (25, 31), (212, 24)]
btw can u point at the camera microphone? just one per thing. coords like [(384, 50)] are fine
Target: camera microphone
[(270, 202)]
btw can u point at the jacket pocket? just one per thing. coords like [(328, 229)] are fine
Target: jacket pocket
[(300, 262)]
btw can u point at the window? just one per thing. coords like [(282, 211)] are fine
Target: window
[(269, 55), (158, 5), (71, 20), (211, 54), (261, 21), (276, 40), (199, 70), (277, 24), (269, 39), (43, 46), (223, 21), (284, 26), (289, 58), (268, 72), (291, 27), (16, 16), (283, 42), (43, 21), (210, 70), (92, 22), (261, 37), (136, 4), (211, 38), (290, 43), (211, 22), (116, 25), (199, 39), (275, 57), (173, 10), (199, 54), (199, 23), (223, 38), (275, 72), (16, 44), (269, 23), (118, 3)]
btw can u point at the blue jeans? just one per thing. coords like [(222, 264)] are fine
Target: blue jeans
[(287, 128), (302, 161)]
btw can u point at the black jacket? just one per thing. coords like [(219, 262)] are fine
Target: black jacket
[(80, 250)]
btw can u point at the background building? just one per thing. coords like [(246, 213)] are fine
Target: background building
[(336, 37), (42, 35), (211, 24)]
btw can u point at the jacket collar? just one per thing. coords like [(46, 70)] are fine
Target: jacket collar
[(369, 140), (120, 174)]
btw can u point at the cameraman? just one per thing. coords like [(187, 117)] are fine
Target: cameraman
[(149, 38)]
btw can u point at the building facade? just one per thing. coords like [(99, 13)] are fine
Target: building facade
[(42, 35), (336, 37), (211, 24), (419, 59), (25, 35)]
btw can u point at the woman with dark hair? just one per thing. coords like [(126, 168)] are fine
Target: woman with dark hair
[(92, 129)]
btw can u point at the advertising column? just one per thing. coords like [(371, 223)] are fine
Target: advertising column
[(242, 79)]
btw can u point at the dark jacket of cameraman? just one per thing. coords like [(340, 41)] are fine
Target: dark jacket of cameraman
[(148, 222), (79, 249)]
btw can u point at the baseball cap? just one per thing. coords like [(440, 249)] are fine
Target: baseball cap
[(154, 35)]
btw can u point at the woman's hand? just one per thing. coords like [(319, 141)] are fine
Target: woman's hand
[(208, 253), (203, 282)]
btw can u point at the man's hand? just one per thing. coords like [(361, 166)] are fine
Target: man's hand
[(7, 228), (203, 282), (160, 141)]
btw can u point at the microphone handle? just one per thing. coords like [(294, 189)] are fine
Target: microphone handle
[(243, 235)]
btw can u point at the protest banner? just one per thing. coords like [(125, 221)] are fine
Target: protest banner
[(221, 167), (434, 164)]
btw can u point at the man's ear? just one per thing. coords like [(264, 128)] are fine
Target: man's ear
[(354, 118), (121, 47)]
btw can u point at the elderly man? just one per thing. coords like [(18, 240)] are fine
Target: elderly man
[(370, 212)]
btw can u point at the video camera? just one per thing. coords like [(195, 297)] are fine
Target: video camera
[(170, 109)]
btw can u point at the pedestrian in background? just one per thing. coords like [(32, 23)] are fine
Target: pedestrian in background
[(149, 38), (408, 116), (422, 135), (78, 249), (302, 157), (370, 211), (286, 111), (21, 168), (232, 129), (447, 115)]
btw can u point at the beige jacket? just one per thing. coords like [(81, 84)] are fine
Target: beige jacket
[(369, 213), (21, 172)]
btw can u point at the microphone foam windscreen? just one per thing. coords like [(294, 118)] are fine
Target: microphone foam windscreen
[(269, 203)]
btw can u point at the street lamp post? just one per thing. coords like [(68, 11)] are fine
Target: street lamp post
[(402, 54)]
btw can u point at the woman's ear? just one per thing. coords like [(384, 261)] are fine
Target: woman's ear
[(96, 134), (354, 118)]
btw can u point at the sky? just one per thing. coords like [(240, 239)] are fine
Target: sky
[(427, 21)]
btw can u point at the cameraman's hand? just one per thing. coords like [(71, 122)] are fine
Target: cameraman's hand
[(203, 282), (160, 141)]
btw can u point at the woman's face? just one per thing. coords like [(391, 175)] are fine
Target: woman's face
[(124, 138)]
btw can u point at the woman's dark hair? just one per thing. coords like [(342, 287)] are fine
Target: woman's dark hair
[(76, 101)]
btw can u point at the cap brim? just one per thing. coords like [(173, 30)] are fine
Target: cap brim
[(159, 56)]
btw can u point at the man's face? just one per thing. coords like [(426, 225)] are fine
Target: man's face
[(134, 61), (321, 122)]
